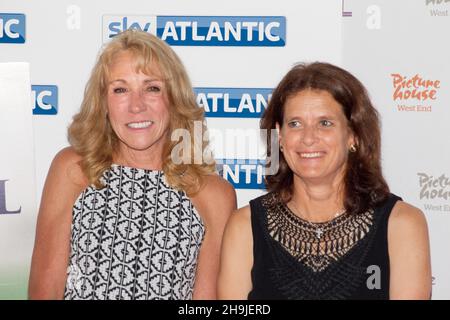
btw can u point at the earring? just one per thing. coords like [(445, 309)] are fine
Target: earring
[(281, 148), (352, 148)]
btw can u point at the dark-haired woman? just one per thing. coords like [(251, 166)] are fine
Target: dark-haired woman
[(328, 228)]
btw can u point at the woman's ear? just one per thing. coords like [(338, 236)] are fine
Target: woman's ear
[(352, 142)]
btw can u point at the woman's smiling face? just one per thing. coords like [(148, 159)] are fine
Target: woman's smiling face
[(137, 106), (315, 136)]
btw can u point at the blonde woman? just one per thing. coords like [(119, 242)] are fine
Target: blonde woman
[(120, 216)]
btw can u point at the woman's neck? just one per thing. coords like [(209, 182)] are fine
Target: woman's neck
[(317, 202), (139, 159)]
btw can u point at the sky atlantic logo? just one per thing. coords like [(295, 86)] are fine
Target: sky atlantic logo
[(12, 28), (253, 31), (3, 205), (414, 89), (45, 99), (233, 102), (243, 173)]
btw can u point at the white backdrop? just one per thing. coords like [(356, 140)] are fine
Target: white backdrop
[(373, 39), (386, 40)]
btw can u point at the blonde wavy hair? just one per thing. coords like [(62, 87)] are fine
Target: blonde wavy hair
[(92, 136)]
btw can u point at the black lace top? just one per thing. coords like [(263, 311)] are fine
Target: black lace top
[(345, 258)]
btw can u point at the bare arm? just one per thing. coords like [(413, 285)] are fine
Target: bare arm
[(409, 253), (237, 257), (51, 249), (215, 203)]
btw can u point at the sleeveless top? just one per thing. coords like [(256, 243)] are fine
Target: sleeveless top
[(344, 258), (136, 238)]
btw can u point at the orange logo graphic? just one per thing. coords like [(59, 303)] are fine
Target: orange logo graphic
[(414, 88)]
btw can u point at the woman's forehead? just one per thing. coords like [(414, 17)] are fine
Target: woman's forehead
[(136, 62), (319, 98)]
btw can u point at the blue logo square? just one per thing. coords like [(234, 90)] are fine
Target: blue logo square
[(45, 99), (12, 28)]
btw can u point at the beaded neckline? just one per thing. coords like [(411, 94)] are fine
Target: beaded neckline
[(315, 244)]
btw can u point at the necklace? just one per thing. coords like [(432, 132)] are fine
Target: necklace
[(319, 230)]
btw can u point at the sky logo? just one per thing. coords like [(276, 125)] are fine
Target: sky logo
[(117, 24), (233, 102), (12, 28), (45, 98), (3, 209), (242, 173), (268, 31)]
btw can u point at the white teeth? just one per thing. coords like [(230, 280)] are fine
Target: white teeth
[(140, 125), (310, 154)]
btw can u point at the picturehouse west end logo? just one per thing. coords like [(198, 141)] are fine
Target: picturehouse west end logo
[(414, 93), (438, 8), (435, 189)]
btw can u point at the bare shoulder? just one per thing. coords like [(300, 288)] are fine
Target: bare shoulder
[(67, 158), (406, 217), (409, 253), (65, 179), (66, 165), (406, 226), (215, 201), (214, 184), (216, 193), (65, 182)]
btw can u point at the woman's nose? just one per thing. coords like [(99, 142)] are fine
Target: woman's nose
[(309, 135), (136, 103)]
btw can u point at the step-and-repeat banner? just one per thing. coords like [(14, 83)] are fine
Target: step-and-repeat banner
[(399, 50), (235, 53)]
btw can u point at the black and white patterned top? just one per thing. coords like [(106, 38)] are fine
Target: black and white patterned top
[(136, 238)]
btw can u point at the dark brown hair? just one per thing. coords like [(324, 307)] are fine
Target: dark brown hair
[(364, 185)]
